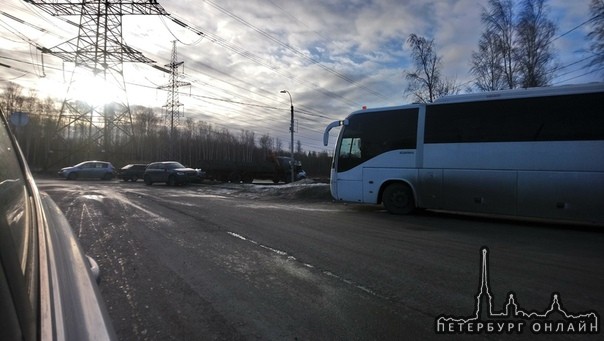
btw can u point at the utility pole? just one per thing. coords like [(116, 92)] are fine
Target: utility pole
[(173, 105), (98, 48), (291, 130)]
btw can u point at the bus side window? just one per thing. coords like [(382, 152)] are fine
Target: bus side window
[(345, 147), (355, 149), (350, 148), (350, 154)]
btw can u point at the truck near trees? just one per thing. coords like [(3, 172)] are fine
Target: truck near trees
[(275, 168)]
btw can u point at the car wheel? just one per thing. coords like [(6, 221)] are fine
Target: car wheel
[(398, 199), (171, 180), (147, 180), (107, 176), (72, 176), (134, 178)]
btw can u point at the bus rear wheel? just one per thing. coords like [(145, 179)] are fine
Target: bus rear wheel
[(398, 199)]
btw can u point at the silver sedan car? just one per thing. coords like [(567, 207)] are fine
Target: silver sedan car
[(89, 170)]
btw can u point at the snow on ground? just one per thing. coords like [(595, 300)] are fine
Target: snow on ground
[(307, 190)]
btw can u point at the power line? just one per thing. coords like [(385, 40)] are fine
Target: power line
[(581, 75), (34, 64), (292, 49), (576, 27), (261, 61), (245, 116), (235, 49), (215, 99), (313, 85)]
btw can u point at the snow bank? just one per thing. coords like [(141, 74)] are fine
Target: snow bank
[(306, 190)]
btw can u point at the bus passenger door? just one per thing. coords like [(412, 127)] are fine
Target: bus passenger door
[(372, 180), (348, 187)]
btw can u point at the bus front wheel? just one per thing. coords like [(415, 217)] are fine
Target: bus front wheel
[(398, 199)]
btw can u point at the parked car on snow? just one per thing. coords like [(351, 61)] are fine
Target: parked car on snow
[(170, 172), (201, 174), (301, 175), (89, 169), (47, 286), (275, 168), (132, 172)]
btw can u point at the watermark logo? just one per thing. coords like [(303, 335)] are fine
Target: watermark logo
[(513, 319)]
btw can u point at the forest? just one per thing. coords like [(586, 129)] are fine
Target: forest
[(51, 139)]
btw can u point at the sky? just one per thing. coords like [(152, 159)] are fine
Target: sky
[(333, 57)]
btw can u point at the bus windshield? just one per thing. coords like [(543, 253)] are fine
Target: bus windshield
[(366, 136)]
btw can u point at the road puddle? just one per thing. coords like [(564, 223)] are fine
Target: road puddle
[(96, 197)]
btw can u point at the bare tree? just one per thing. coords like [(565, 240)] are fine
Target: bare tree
[(597, 34), (425, 82), (248, 145), (12, 98), (278, 144), (533, 53), (501, 21), (266, 143), (493, 64)]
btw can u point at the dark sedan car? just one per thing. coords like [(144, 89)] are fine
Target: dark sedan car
[(132, 172), (170, 172), (47, 288)]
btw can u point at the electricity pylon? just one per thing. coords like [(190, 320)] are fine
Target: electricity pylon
[(173, 106), (99, 48)]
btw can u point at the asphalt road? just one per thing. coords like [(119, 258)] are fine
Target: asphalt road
[(230, 262)]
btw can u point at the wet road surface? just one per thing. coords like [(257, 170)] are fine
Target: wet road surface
[(207, 262)]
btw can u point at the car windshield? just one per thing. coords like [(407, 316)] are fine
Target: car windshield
[(174, 165)]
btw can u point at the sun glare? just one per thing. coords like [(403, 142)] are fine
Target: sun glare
[(96, 91)]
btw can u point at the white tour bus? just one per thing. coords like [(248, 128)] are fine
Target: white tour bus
[(530, 152)]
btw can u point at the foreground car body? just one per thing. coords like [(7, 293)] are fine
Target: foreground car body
[(170, 172), (47, 289), (89, 170)]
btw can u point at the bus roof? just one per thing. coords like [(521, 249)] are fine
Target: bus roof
[(524, 92), (499, 94), (368, 110)]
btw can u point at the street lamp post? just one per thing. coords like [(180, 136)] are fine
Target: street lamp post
[(291, 130)]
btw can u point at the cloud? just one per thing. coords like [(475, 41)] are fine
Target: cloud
[(333, 56)]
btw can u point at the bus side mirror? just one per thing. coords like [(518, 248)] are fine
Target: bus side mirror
[(331, 126)]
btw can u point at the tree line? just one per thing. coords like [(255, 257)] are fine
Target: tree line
[(50, 141), (515, 50)]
